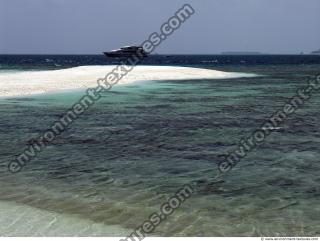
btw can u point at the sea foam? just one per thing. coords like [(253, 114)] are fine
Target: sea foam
[(25, 83)]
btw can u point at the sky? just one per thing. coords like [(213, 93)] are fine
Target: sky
[(95, 26)]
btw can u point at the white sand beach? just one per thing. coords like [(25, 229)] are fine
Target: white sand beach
[(24, 83)]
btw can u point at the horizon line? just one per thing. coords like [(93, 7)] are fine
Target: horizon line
[(234, 53)]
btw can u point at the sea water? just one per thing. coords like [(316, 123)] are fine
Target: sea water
[(124, 157)]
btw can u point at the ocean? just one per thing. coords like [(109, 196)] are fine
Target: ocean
[(140, 143)]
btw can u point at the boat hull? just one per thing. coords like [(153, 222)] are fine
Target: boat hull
[(124, 55)]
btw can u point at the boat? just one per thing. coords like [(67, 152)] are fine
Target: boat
[(126, 52)]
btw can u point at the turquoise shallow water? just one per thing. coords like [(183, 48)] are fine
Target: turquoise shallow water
[(153, 137)]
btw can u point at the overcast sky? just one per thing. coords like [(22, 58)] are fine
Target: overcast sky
[(94, 26)]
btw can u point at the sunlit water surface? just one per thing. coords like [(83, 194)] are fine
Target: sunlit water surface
[(154, 137)]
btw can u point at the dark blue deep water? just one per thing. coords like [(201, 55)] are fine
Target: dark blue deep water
[(68, 61)]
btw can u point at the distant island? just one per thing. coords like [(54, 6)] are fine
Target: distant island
[(316, 52), (241, 53)]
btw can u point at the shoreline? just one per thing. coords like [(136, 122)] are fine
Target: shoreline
[(26, 83)]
